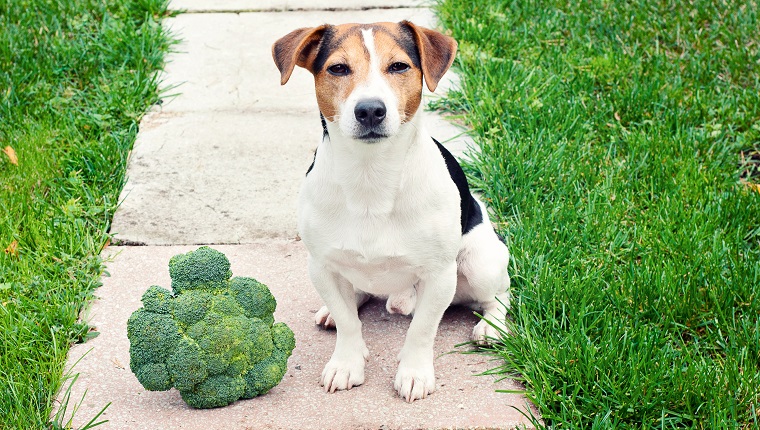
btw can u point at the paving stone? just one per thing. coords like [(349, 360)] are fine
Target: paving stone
[(463, 398), (218, 177)]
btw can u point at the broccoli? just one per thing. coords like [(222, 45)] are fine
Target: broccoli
[(212, 337)]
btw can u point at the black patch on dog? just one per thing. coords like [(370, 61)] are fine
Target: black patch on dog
[(471, 214), (409, 44), (312, 163), (324, 126), (324, 135), (326, 46)]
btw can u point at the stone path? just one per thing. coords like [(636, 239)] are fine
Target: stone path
[(220, 163)]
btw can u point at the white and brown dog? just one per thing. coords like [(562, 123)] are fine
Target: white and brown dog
[(385, 210)]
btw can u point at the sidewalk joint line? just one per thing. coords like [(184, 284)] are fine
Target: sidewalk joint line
[(329, 9)]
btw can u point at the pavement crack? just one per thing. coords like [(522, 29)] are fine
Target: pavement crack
[(299, 9), (213, 209), (127, 242)]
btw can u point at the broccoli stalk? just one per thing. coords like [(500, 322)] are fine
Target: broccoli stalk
[(213, 337)]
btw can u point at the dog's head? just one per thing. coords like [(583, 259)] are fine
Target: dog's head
[(368, 77)]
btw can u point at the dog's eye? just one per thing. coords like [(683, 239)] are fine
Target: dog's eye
[(339, 70), (398, 67)]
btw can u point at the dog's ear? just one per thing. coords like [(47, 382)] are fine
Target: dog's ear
[(437, 52), (297, 48)]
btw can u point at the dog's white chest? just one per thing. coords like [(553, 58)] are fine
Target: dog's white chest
[(376, 256), (374, 275)]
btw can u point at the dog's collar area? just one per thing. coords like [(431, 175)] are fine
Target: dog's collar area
[(324, 125)]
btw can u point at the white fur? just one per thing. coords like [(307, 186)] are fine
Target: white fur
[(383, 219)]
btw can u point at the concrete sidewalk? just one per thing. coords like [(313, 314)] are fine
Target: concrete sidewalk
[(220, 163), (463, 399)]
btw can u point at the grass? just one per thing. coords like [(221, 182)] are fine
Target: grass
[(618, 144), (76, 76)]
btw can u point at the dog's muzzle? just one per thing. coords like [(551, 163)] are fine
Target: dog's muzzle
[(370, 114)]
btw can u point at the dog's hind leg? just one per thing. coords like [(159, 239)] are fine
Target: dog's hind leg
[(324, 319), (487, 289), (483, 281), (492, 325)]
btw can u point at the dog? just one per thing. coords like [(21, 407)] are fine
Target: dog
[(385, 210)]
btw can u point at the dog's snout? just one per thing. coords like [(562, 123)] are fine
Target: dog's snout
[(370, 112)]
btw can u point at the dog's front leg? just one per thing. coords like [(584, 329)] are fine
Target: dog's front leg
[(346, 367), (415, 378)]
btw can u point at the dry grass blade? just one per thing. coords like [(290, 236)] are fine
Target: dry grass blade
[(11, 153)]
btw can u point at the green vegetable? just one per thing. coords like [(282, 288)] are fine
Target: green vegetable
[(213, 337)]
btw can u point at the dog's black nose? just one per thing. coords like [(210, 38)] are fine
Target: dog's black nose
[(370, 112)]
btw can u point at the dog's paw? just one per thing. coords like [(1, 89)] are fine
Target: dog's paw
[(344, 373), (402, 303), (323, 318), (415, 380), (484, 333)]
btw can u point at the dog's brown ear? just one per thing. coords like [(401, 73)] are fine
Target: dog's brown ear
[(437, 52), (297, 48)]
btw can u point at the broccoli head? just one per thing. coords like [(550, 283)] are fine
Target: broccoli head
[(213, 337)]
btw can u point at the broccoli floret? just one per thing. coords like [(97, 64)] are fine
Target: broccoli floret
[(259, 378), (283, 337), (254, 297), (216, 391), (204, 268), (154, 376), (191, 308), (213, 337), (187, 366), (153, 338), (158, 300)]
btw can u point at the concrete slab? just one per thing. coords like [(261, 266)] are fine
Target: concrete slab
[(222, 161), (219, 177), (463, 399), (204, 6)]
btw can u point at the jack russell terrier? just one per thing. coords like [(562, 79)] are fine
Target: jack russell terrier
[(385, 210)]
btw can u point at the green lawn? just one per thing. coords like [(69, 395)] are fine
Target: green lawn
[(76, 76), (616, 140)]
